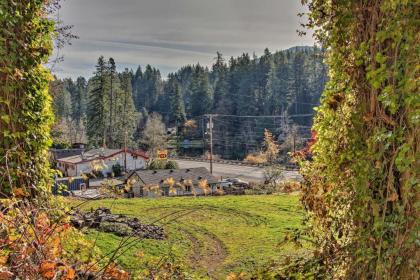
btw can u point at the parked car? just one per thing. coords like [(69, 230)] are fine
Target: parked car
[(225, 184), (230, 188), (238, 182)]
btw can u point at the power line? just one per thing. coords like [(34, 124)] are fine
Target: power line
[(261, 116), (262, 124)]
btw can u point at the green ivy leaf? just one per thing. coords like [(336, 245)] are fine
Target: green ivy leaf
[(5, 118)]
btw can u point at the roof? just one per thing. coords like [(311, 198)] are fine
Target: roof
[(63, 153), (99, 154), (105, 182), (87, 194), (150, 177)]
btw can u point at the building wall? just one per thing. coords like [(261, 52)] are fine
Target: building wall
[(133, 163), (137, 191), (68, 170)]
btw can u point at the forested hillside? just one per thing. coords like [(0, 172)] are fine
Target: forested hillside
[(109, 106)]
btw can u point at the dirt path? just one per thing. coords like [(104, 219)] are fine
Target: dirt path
[(208, 252)]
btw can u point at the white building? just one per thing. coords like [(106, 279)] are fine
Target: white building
[(102, 160)]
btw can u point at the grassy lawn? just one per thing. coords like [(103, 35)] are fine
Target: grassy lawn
[(212, 236)]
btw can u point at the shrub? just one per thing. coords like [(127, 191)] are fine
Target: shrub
[(171, 164), (259, 158), (273, 174), (290, 186), (157, 164), (117, 170)]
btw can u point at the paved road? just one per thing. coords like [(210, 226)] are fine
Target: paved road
[(247, 173)]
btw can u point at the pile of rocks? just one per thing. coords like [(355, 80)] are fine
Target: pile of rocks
[(103, 220)]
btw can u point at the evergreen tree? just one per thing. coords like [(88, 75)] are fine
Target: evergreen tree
[(78, 101), (272, 84), (136, 85), (125, 114), (220, 71), (113, 81), (201, 99), (177, 106), (265, 68), (299, 86), (61, 100), (96, 118), (278, 86), (148, 89)]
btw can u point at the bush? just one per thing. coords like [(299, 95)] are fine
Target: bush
[(273, 174), (290, 186), (97, 174), (256, 158), (157, 164), (117, 170), (171, 164), (272, 188)]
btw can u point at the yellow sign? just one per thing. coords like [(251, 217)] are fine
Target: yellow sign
[(162, 154)]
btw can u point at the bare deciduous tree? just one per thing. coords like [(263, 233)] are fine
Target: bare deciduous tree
[(154, 135)]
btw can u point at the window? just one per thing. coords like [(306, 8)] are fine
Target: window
[(187, 188)]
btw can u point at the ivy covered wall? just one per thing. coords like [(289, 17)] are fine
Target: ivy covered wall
[(25, 113), (361, 187)]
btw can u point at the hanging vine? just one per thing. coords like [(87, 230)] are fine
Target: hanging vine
[(361, 187)]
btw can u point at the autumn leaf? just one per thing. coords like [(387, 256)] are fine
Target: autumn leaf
[(393, 197), (231, 276), (70, 274), (19, 192), (42, 221), (117, 274), (55, 247), (3, 260), (47, 269)]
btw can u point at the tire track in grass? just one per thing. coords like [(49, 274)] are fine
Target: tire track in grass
[(250, 219), (208, 252)]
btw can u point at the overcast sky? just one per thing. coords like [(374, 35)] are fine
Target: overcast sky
[(171, 33)]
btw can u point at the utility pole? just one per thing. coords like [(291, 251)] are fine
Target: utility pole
[(294, 141), (125, 151), (211, 142), (203, 132)]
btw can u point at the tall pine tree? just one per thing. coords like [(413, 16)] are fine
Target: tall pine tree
[(96, 112), (201, 98), (177, 106)]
